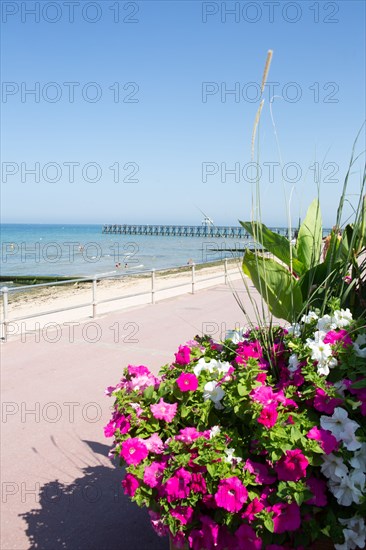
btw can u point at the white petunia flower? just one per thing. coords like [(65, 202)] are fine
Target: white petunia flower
[(294, 329), (349, 488), (333, 467), (321, 353), (215, 430), (359, 345), (204, 365), (358, 461), (230, 457), (338, 423), (309, 317), (214, 392), (354, 534), (293, 362), (342, 318), (349, 438), (235, 336), (325, 323)]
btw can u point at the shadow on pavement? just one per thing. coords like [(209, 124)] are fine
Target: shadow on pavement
[(91, 513)]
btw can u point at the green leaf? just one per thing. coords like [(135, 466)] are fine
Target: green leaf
[(268, 523), (275, 284), (276, 244), (309, 240), (242, 390)]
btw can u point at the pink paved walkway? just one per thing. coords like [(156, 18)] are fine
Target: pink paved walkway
[(59, 490)]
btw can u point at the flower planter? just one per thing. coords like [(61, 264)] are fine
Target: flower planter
[(319, 545)]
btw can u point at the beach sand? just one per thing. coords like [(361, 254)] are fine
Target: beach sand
[(119, 293)]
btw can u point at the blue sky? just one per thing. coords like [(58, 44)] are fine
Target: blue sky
[(173, 131)]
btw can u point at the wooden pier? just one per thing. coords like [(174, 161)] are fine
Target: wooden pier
[(202, 231)]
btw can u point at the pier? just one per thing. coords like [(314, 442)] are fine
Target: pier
[(203, 231)]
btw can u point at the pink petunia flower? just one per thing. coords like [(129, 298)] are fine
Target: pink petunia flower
[(245, 350), (184, 514), (198, 483), (187, 435), (260, 470), (177, 487), (130, 485), (183, 356), (252, 509), (286, 517), (153, 474), (164, 411), (324, 403), (118, 422), (247, 539), (292, 466), (319, 489), (326, 439), (231, 494), (268, 416), (134, 450), (159, 527), (334, 336), (187, 382), (154, 444)]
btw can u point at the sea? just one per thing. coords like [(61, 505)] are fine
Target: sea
[(83, 251)]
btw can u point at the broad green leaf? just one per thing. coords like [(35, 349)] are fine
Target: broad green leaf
[(277, 286), (309, 240), (276, 244)]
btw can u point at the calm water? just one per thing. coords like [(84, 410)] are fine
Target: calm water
[(83, 250)]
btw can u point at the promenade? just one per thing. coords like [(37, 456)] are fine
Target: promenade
[(59, 489)]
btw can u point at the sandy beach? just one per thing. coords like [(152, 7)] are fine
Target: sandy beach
[(44, 304)]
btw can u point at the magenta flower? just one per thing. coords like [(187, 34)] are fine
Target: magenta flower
[(183, 356), (231, 494), (134, 450), (154, 444), (164, 411), (326, 439), (210, 531), (292, 466), (261, 472), (187, 435), (130, 484), (264, 394), (153, 474), (252, 509), (333, 336), (184, 514), (324, 403), (246, 350), (319, 488), (198, 483), (141, 370), (286, 517), (177, 487), (187, 382), (157, 524), (118, 422), (247, 539), (268, 416)]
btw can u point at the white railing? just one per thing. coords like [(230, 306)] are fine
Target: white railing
[(5, 292)]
